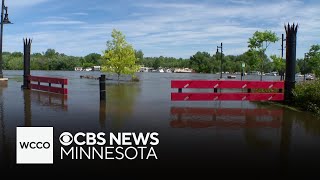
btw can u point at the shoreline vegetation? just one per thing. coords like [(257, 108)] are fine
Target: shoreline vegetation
[(200, 62), (121, 58), (307, 96)]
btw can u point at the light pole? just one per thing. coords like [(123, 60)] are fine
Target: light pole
[(304, 66), (282, 47), (220, 59), (4, 20)]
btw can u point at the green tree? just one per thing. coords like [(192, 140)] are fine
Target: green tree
[(50, 53), (278, 63), (156, 64), (15, 63), (313, 59), (86, 65), (93, 58), (139, 55), (200, 62), (260, 42), (17, 54), (119, 56)]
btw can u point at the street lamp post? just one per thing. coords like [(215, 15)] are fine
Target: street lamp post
[(4, 20), (304, 66), (220, 59), (282, 47)]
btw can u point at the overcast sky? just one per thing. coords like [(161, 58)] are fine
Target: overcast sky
[(167, 28)]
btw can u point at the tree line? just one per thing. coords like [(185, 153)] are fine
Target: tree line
[(255, 59), (203, 62), (50, 60)]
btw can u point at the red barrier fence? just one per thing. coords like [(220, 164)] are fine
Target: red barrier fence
[(223, 96), (49, 81)]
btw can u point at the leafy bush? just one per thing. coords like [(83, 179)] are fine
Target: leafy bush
[(307, 95)]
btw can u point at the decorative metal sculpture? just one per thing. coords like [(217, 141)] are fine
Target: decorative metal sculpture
[(26, 62), (291, 46)]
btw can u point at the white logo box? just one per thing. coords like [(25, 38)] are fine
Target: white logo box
[(37, 145)]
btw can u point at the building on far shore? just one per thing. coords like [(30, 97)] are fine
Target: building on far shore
[(183, 70), (96, 68), (93, 68), (78, 68)]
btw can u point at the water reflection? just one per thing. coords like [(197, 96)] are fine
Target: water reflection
[(256, 125), (310, 122), (252, 121), (102, 114), (54, 102), (27, 107), (285, 142), (264, 129), (4, 149), (184, 117), (119, 104)]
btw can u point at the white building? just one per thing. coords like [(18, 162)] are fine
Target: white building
[(96, 68), (78, 69)]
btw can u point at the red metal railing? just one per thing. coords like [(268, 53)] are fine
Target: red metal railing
[(224, 96), (48, 87)]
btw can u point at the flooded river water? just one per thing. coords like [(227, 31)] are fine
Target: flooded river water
[(237, 135)]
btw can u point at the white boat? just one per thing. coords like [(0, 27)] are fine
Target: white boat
[(160, 70), (145, 69), (168, 71), (309, 77), (88, 69), (299, 75), (78, 69), (183, 70)]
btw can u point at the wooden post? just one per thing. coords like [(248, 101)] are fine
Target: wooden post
[(26, 63), (102, 85)]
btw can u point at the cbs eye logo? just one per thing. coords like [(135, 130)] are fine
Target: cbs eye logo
[(66, 138)]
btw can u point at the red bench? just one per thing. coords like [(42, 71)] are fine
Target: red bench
[(249, 95)]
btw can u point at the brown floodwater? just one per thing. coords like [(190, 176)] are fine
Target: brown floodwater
[(227, 135)]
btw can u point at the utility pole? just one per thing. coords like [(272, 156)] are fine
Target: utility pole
[(282, 39), (282, 49), (304, 66), (220, 59)]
